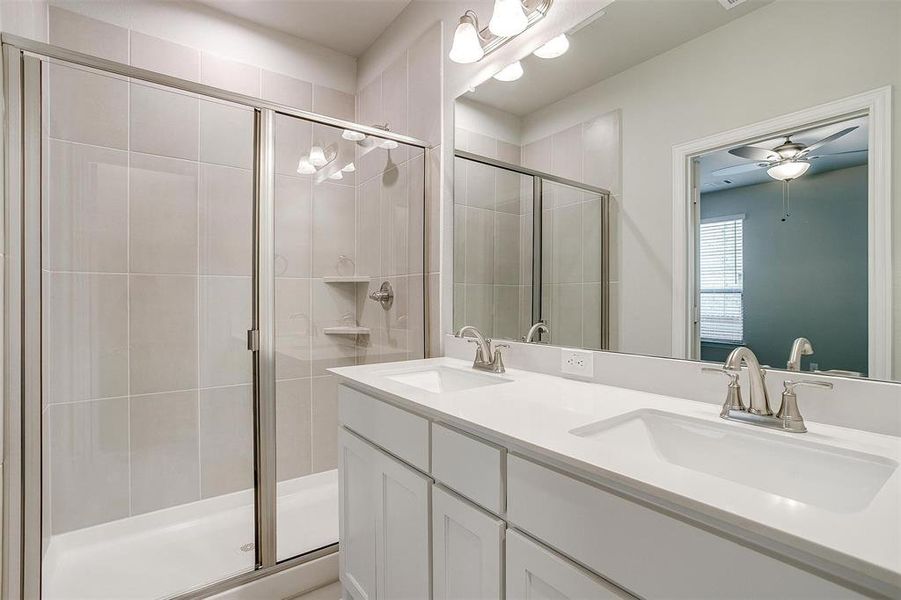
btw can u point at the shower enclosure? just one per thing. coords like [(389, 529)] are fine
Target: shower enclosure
[(530, 246), (184, 266)]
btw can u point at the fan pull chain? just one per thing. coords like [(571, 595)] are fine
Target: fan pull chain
[(786, 200)]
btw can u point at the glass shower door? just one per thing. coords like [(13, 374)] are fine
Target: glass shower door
[(147, 265)]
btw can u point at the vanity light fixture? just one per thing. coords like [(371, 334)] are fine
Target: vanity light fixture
[(509, 19), (511, 72), (788, 170), (305, 167), (554, 47), (353, 136), (349, 168), (388, 144), (337, 175), (317, 157)]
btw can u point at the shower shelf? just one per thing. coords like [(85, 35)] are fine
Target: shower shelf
[(346, 330), (346, 279)]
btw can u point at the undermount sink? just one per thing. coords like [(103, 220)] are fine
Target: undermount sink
[(835, 479), (442, 379)]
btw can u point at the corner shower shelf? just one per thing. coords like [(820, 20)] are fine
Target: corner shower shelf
[(346, 279), (346, 330)]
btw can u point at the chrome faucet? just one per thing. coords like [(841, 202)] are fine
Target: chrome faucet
[(789, 416), (800, 347), (537, 328), (759, 400), (486, 359)]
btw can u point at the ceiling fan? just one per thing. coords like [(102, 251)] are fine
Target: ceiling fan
[(787, 161)]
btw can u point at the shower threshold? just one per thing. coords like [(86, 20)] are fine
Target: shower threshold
[(174, 550)]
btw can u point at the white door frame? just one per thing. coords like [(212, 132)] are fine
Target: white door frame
[(877, 105)]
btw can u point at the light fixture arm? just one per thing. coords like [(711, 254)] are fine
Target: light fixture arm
[(491, 42)]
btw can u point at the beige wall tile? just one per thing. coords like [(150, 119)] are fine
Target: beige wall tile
[(163, 328), (87, 336), (226, 134), (537, 155), (88, 450), (163, 56), (229, 74), (479, 245), (88, 108), (591, 315), (333, 305), (293, 327), (416, 211), (226, 440), (163, 122), (286, 90), (226, 313), (165, 468), (331, 102), (603, 152), (333, 227), (325, 424), (415, 316), (394, 95), (425, 96), (479, 302), (163, 215), (567, 244), (480, 186), (88, 210), (292, 418), (566, 314), (566, 158), (293, 226), (293, 139), (507, 189), (368, 237), (394, 202), (89, 36), (506, 312), (226, 220), (508, 152), (507, 251)]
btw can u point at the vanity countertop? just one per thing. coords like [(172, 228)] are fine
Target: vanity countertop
[(535, 413)]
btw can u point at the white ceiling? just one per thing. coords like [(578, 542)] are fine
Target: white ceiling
[(348, 26), (630, 32), (856, 140)]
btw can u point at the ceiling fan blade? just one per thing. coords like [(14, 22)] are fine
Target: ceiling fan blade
[(754, 153), (736, 169), (826, 140), (838, 154)]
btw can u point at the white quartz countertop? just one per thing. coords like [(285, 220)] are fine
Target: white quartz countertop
[(534, 412)]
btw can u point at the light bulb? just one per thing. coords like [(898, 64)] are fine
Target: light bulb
[(788, 170), (554, 47), (336, 175), (353, 136), (467, 46), (508, 18), (305, 167), (317, 156), (511, 72), (349, 168), (388, 144)]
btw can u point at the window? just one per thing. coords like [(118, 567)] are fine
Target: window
[(721, 279)]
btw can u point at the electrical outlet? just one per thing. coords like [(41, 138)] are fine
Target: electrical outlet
[(577, 362)]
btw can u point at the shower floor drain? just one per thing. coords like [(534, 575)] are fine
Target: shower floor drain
[(247, 547)]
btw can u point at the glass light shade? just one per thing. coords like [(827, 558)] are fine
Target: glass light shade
[(788, 170), (317, 156), (388, 144), (467, 47), (508, 18), (511, 72), (349, 168), (554, 47), (336, 175), (305, 167), (353, 136)]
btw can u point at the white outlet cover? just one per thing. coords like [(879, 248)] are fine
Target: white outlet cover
[(577, 362)]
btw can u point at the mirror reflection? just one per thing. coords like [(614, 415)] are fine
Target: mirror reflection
[(659, 189)]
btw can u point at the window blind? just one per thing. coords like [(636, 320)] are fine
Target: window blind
[(721, 271)]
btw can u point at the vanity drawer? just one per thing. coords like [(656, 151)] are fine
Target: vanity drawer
[(642, 550), (399, 432), (471, 467)]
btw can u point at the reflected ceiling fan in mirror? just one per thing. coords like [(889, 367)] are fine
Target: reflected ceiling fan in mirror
[(786, 162)]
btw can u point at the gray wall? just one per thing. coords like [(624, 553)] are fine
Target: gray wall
[(806, 276)]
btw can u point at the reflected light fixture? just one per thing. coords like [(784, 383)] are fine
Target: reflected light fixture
[(336, 175), (788, 170), (353, 136), (467, 46), (508, 19), (317, 156), (554, 47), (388, 144), (349, 168), (511, 72), (305, 167)]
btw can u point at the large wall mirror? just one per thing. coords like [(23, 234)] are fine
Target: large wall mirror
[(686, 178)]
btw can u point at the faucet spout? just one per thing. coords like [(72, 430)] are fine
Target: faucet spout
[(800, 347), (760, 401), (538, 327), (484, 345)]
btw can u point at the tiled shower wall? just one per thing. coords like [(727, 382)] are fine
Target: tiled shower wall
[(492, 239), (571, 226), (149, 263)]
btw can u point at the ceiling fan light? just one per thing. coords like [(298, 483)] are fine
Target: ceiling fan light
[(554, 47), (511, 72), (467, 47), (787, 171), (508, 18)]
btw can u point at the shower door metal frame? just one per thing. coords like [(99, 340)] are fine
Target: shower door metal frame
[(22, 446), (538, 179)]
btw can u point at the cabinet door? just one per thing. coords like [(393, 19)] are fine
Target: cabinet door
[(402, 531), (536, 573), (358, 465), (467, 548)]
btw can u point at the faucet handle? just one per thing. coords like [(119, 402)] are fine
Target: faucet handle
[(733, 391), (790, 384), (789, 413)]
